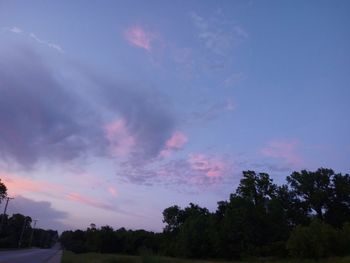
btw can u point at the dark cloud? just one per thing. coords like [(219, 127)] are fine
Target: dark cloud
[(44, 118), (49, 218), (39, 118)]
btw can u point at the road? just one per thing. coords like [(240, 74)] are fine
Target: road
[(34, 255)]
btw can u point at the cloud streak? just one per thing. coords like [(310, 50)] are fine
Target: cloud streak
[(17, 30), (18, 185), (76, 197), (49, 44), (13, 29)]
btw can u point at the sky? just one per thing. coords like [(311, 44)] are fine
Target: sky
[(112, 111)]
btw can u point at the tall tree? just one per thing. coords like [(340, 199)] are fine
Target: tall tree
[(312, 188), (257, 188), (338, 204), (324, 193), (173, 217)]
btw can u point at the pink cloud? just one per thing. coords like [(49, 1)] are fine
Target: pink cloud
[(113, 191), (140, 38), (210, 166), (174, 143), (88, 201), (121, 141), (17, 185), (285, 150), (177, 140)]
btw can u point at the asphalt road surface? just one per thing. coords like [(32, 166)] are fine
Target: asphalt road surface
[(34, 255)]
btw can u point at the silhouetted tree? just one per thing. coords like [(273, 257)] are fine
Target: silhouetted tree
[(3, 191), (324, 193)]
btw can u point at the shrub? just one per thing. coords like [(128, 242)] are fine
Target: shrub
[(314, 241)]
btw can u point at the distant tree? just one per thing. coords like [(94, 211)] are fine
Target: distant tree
[(107, 239), (197, 237), (93, 241), (16, 231), (93, 226), (173, 217), (44, 238), (238, 227)]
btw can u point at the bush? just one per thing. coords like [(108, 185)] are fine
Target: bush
[(77, 247), (314, 241)]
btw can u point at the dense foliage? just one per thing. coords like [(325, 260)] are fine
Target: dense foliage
[(307, 217), (16, 231), (107, 240)]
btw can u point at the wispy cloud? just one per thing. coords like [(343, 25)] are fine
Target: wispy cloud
[(215, 36), (210, 166), (214, 111), (49, 44), (13, 29), (233, 79), (76, 197), (140, 37), (284, 150), (17, 30), (197, 170)]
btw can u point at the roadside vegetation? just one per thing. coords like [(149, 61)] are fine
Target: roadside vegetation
[(16, 231), (307, 218)]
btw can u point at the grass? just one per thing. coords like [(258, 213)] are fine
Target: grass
[(69, 257)]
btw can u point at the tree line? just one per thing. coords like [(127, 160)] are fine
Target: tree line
[(16, 231), (308, 217)]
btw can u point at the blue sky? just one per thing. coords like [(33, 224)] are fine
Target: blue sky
[(112, 111)]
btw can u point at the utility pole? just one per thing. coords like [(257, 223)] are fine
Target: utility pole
[(31, 236), (4, 214), (22, 233)]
